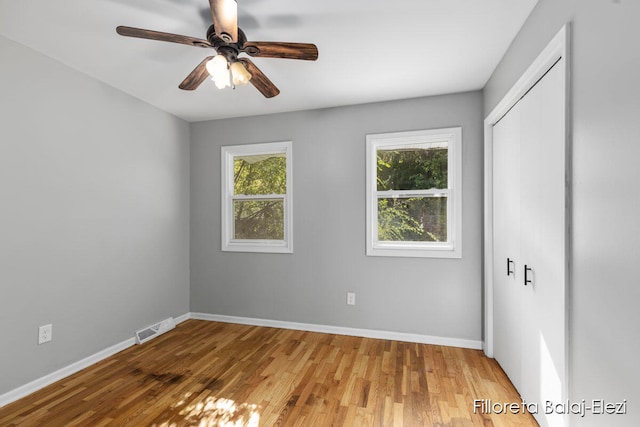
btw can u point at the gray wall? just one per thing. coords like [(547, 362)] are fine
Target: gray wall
[(605, 291), (438, 297), (94, 217)]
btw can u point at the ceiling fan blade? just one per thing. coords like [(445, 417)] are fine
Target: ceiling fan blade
[(306, 51), (225, 19), (197, 76), (259, 80), (164, 37)]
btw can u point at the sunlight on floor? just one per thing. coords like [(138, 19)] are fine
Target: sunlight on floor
[(216, 412)]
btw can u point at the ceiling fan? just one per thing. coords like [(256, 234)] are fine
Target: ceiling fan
[(224, 36)]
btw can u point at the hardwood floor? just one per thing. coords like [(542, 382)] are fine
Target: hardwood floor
[(219, 374)]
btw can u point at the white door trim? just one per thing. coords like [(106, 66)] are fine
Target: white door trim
[(556, 49)]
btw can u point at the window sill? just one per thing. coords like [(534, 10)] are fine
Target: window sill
[(414, 251), (278, 247)]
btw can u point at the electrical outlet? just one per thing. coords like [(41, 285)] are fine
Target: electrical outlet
[(351, 298), (45, 333)]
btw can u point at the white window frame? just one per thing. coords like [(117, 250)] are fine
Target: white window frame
[(397, 140), (253, 245)]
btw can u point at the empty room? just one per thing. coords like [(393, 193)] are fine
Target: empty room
[(357, 213)]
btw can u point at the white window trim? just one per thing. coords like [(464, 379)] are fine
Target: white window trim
[(267, 246), (452, 248)]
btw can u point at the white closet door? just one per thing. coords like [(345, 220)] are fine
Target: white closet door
[(508, 292), (529, 228), (542, 207)]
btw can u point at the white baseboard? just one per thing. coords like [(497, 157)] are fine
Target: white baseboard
[(62, 373), (338, 330), (182, 318)]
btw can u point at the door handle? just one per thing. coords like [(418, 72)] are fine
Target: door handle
[(509, 271), (527, 270)]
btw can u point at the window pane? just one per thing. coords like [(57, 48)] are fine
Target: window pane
[(415, 219), (259, 219), (260, 174), (412, 169)]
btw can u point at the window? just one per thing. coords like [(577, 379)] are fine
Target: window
[(256, 198), (414, 193)]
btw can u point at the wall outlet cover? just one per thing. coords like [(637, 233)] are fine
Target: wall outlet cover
[(351, 298), (45, 333)]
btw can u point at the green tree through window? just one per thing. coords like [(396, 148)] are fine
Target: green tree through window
[(412, 218), (259, 218)]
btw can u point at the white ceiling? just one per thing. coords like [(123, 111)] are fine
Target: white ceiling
[(370, 50)]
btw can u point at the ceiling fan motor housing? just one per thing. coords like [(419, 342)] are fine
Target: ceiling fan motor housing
[(218, 42)]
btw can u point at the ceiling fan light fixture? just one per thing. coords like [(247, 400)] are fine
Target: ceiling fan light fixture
[(240, 74), (218, 68)]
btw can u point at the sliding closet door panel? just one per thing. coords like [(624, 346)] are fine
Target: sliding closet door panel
[(543, 240), (506, 207)]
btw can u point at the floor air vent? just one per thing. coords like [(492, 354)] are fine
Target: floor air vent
[(144, 335)]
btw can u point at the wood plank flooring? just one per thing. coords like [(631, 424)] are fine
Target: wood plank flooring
[(218, 374)]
